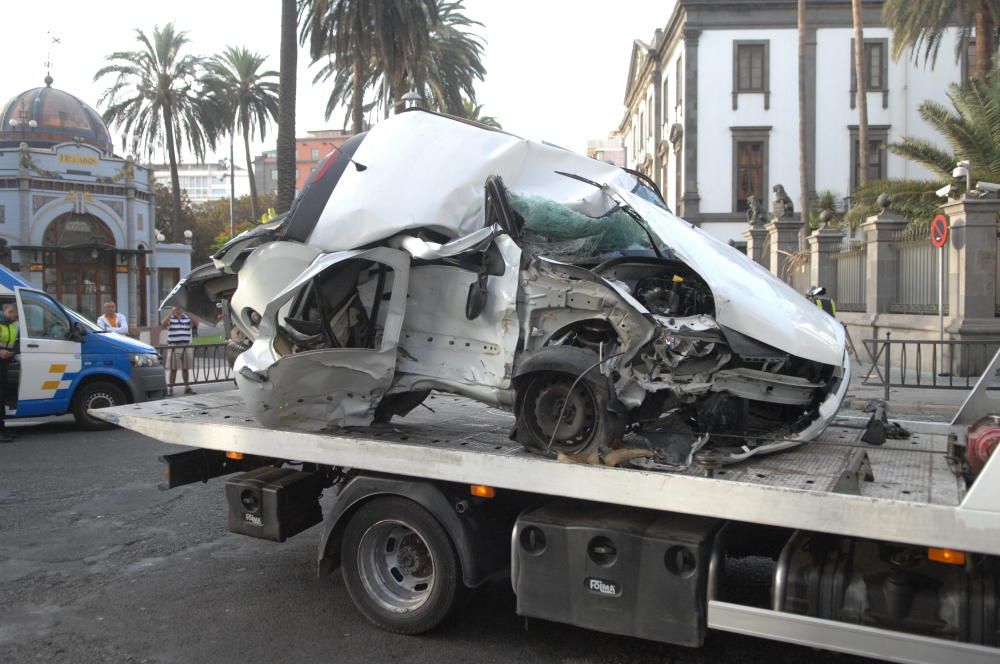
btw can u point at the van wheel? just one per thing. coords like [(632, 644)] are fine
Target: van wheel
[(400, 567), (96, 395)]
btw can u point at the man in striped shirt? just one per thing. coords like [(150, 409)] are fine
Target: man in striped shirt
[(179, 325)]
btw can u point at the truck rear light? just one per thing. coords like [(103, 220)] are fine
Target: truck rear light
[(984, 438), (235, 456), (946, 556), (482, 491)]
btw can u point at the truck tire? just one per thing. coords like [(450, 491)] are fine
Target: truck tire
[(400, 567), (98, 394)]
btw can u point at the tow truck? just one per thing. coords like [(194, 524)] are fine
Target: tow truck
[(887, 550)]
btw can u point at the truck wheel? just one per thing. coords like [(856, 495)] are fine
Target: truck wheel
[(400, 567), (96, 395), (588, 421)]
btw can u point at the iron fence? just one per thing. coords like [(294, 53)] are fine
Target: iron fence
[(207, 362), (851, 277), (917, 278), (798, 277), (948, 365)]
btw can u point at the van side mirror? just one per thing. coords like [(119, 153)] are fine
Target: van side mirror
[(77, 332), (476, 301)]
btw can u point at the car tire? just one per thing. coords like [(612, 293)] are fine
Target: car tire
[(592, 414), (400, 567), (99, 394)]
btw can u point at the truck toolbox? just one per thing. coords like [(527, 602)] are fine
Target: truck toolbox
[(273, 503), (632, 572)]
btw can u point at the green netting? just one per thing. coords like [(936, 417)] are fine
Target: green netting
[(555, 230)]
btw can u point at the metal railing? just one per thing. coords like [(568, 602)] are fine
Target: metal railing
[(851, 277), (917, 278), (799, 277), (208, 362), (943, 365)]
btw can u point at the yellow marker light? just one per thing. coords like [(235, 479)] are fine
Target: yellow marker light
[(235, 456), (482, 491), (678, 279), (946, 556)]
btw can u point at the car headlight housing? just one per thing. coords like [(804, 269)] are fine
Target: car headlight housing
[(145, 360)]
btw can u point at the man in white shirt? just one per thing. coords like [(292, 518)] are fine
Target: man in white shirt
[(111, 320)]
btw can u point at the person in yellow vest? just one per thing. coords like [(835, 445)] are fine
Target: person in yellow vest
[(817, 295), (9, 346)]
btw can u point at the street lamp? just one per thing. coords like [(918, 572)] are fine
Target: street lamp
[(411, 99), (23, 123), (227, 162), (188, 235)]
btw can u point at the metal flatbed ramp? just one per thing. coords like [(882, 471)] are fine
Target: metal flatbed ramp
[(914, 498)]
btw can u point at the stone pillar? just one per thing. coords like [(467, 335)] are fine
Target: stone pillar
[(823, 244), (881, 269), (131, 243), (972, 265), (756, 237), (24, 202), (784, 240)]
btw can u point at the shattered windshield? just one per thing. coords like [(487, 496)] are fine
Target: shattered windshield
[(556, 231)]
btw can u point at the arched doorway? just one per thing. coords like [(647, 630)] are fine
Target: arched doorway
[(80, 262)]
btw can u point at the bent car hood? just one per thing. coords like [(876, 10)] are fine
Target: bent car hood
[(422, 170), (748, 298)]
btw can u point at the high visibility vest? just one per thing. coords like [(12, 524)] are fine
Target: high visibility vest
[(8, 335), (826, 304)]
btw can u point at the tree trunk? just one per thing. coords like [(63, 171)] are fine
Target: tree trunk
[(861, 94), (803, 143), (232, 186), (254, 203), (357, 97), (176, 227), (985, 40), (286, 106)]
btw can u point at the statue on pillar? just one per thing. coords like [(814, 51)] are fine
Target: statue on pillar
[(755, 212), (782, 206)]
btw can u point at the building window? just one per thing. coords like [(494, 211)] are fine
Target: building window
[(875, 70), (878, 136), (751, 70), (140, 221), (642, 129), (274, 175), (969, 61), (750, 155), (314, 154), (664, 105), (679, 78), (3, 214)]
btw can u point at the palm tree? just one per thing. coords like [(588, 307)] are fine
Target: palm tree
[(252, 96), (452, 64), (919, 25), (286, 106), (473, 111), (972, 132), (862, 92), (154, 100), (803, 151)]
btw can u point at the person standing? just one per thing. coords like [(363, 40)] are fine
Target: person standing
[(179, 324), (111, 320), (9, 346)]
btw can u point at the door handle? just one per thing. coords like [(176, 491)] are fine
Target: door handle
[(32, 345)]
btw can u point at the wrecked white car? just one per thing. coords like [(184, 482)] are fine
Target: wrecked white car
[(434, 254)]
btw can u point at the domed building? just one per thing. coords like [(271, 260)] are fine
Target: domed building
[(75, 219)]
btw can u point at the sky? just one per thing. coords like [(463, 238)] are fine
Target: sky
[(556, 69)]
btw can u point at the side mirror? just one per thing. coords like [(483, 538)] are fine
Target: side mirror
[(476, 301), (77, 332)]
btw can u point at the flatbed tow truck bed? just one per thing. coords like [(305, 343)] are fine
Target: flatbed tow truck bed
[(912, 498)]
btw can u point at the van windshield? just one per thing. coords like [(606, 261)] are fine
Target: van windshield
[(77, 318)]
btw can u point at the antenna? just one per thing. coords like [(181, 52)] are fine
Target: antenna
[(53, 40)]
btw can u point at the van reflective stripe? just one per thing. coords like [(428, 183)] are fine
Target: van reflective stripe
[(51, 385), (57, 368)]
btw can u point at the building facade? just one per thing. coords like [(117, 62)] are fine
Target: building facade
[(205, 182), (310, 150), (608, 149), (265, 172), (712, 111), (75, 219)]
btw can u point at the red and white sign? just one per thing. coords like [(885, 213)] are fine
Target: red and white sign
[(939, 231)]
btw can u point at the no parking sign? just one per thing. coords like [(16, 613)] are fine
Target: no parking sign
[(939, 231)]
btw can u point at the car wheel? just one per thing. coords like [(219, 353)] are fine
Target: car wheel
[(587, 418), (96, 395), (400, 567)]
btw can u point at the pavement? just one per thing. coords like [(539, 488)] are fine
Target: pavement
[(98, 565), (904, 402)]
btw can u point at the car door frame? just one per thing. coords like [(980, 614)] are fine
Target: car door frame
[(48, 367)]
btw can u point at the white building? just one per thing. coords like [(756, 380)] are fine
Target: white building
[(712, 105), (204, 182), (608, 149)]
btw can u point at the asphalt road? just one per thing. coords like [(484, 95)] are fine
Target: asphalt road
[(98, 565)]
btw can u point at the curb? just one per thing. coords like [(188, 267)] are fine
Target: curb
[(897, 407)]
